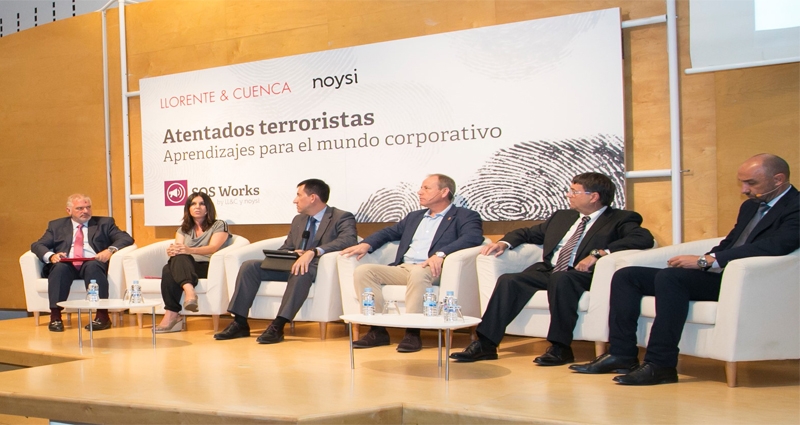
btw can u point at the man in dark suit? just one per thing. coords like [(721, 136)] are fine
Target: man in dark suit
[(768, 225), (426, 238), (572, 242), (329, 229), (64, 238)]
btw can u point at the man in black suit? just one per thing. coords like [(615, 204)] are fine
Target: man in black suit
[(426, 237), (768, 225), (329, 229), (64, 238), (572, 242)]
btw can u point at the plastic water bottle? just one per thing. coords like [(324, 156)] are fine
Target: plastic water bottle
[(136, 293), (94, 291), (444, 302), (368, 302), (450, 308), (429, 306)]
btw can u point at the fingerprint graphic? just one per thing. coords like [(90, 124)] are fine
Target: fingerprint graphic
[(528, 180), (388, 205)]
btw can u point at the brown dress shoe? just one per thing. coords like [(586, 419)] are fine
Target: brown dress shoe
[(410, 343), (374, 338)]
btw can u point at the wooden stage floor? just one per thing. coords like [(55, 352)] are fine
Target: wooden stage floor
[(191, 378)]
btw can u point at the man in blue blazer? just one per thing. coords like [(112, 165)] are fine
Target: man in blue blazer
[(572, 241), (768, 225), (64, 238), (426, 238)]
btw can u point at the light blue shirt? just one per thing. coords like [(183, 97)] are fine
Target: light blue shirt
[(423, 237)]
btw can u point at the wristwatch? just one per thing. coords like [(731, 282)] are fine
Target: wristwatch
[(441, 254), (702, 263), (596, 253), (113, 249)]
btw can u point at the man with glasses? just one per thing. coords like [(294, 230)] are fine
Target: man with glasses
[(426, 237), (572, 241)]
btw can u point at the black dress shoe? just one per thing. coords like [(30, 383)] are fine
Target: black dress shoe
[(234, 330), (607, 363), (56, 326), (556, 355), (373, 338), (649, 374), (476, 351), (99, 325), (270, 336), (410, 343)]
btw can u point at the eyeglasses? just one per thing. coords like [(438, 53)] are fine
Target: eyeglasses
[(573, 192)]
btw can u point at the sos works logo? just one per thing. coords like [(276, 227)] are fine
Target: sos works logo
[(175, 192)]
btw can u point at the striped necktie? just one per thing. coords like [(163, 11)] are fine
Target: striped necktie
[(565, 256)]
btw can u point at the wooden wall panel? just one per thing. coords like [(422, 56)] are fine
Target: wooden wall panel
[(758, 110), (51, 82), (51, 134)]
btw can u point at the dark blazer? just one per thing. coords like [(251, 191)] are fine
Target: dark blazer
[(615, 230), (460, 228), (102, 233), (337, 231), (778, 232)]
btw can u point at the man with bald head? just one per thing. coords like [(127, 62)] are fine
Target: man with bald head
[(768, 225)]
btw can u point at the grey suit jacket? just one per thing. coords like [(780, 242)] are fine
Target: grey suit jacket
[(337, 231)]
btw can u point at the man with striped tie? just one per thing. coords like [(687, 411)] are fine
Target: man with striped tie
[(572, 241)]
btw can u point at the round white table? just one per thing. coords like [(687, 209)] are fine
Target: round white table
[(415, 320), (112, 304)]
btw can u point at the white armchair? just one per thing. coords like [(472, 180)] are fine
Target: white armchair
[(35, 285), (145, 265), (324, 302), (458, 275), (534, 319), (756, 317)]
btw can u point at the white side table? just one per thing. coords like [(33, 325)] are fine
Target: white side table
[(416, 320), (112, 304)]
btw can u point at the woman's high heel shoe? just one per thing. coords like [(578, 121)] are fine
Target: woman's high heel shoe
[(190, 305), (173, 326)]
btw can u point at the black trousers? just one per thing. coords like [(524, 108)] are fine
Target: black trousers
[(249, 280), (673, 289), (514, 290), (180, 270), (60, 276)]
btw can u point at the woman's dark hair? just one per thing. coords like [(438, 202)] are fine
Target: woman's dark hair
[(211, 213)]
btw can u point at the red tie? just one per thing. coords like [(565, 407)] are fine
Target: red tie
[(77, 249)]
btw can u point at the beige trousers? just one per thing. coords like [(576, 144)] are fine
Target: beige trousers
[(416, 279)]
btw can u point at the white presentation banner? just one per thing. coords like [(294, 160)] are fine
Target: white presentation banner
[(511, 112)]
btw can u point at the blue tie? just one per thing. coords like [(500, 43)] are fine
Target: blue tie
[(312, 231)]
